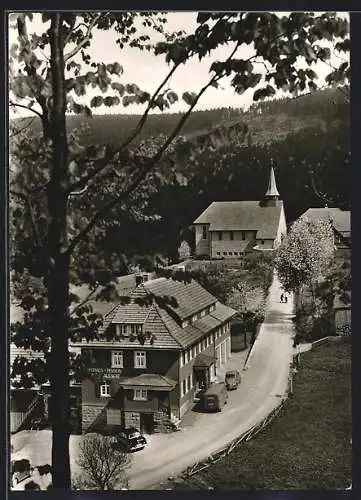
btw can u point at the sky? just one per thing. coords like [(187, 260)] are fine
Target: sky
[(147, 70)]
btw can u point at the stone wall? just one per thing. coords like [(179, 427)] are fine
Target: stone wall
[(90, 413), (132, 419)]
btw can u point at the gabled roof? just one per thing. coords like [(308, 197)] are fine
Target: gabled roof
[(189, 298), (150, 380), (164, 323), (203, 361), (341, 219), (243, 216)]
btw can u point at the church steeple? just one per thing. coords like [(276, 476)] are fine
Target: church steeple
[(272, 193)]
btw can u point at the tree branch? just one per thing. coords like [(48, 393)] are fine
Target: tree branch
[(137, 181), (319, 195), (84, 41), (84, 301), (15, 104), (19, 130), (80, 184)]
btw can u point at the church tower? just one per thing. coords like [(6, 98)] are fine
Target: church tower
[(272, 194)]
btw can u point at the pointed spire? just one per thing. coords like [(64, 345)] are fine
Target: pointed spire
[(272, 191)]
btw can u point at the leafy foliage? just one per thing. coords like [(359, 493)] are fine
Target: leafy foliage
[(305, 254), (67, 196)]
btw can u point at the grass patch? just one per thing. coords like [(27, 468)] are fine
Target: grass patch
[(308, 445)]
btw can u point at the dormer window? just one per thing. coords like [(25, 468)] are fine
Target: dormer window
[(122, 330), (204, 232), (136, 329)]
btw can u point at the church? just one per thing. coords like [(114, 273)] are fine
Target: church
[(231, 229)]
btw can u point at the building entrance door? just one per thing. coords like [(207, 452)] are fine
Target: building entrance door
[(146, 423)]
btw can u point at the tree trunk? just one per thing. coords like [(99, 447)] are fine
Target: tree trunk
[(58, 284)]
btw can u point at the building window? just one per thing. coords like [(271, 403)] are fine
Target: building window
[(185, 323), (105, 390), (199, 347), (189, 382), (184, 387), (218, 253), (235, 253), (220, 236), (122, 329), (117, 359), (114, 416), (243, 235), (231, 235), (194, 351), (140, 395), (224, 253), (262, 242), (136, 329), (229, 253), (140, 359), (184, 357), (203, 313), (190, 353), (181, 360), (204, 232)]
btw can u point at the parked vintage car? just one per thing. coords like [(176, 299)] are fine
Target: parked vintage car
[(131, 439), (215, 397), (232, 379)]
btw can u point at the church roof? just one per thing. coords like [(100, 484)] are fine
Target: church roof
[(272, 187), (243, 216)]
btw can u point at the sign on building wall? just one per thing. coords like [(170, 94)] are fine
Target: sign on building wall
[(109, 373)]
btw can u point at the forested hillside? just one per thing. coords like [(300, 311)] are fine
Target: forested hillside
[(287, 115), (309, 133)]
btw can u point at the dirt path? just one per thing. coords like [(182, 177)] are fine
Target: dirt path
[(263, 383)]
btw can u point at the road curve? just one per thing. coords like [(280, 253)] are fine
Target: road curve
[(263, 384)]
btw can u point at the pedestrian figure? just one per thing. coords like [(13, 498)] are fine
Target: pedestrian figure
[(285, 297), (282, 297)]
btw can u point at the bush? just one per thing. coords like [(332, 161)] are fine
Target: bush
[(103, 466), (20, 465)]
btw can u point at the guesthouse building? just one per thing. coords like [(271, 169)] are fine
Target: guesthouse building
[(156, 348)]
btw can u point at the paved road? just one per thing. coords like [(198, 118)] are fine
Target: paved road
[(264, 382)]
